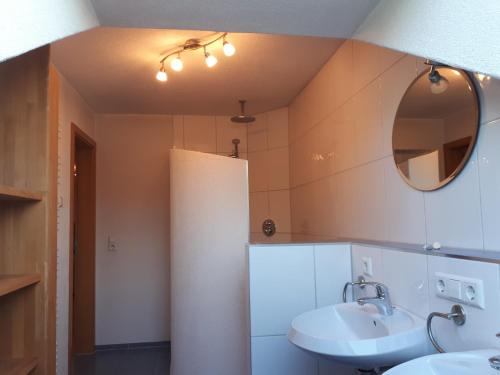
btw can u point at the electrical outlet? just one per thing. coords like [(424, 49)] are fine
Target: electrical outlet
[(459, 288), (367, 266)]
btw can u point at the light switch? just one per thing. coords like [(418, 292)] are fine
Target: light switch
[(367, 266), (112, 244)]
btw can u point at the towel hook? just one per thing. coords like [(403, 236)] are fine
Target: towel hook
[(457, 314)]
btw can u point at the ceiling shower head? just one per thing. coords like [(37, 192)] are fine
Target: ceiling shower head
[(242, 118)]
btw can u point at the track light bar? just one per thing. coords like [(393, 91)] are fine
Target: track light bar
[(192, 45)]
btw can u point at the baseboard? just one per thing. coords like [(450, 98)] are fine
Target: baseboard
[(135, 345)]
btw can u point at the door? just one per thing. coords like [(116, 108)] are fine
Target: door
[(82, 254)]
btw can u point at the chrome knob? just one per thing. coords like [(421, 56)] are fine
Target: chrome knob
[(268, 227), (495, 362)]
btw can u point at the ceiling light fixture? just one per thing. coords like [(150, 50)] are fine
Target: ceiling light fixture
[(210, 60), (228, 48), (176, 64), (162, 74), (192, 45), (438, 83)]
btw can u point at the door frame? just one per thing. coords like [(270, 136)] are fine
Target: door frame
[(79, 135)]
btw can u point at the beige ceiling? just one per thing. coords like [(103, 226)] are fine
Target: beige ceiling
[(114, 70)]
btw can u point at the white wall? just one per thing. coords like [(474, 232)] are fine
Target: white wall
[(210, 230), (265, 144), (268, 163), (286, 281), (461, 33), (345, 115), (132, 283), (411, 279), (28, 24), (72, 109), (134, 212)]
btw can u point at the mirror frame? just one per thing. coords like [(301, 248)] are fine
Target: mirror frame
[(475, 93)]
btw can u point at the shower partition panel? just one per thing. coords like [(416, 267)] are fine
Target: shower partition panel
[(209, 233)]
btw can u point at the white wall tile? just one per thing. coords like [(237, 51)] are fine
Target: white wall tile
[(404, 208), (341, 72), (489, 94), (453, 213), (257, 134), (314, 205), (406, 276), (227, 131), (489, 177), (281, 287), (369, 186), (277, 128), (259, 210), (200, 133), (394, 83), (358, 252), (369, 61), (344, 152), (299, 205), (277, 169), (333, 270), (368, 123), (258, 168), (313, 154), (480, 328), (279, 210), (277, 356), (346, 204)]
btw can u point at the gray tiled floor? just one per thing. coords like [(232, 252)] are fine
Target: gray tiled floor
[(138, 361)]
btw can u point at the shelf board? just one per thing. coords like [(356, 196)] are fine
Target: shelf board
[(14, 194), (17, 366), (11, 283)]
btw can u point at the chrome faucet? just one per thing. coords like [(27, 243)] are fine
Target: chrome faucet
[(495, 361), (382, 300)]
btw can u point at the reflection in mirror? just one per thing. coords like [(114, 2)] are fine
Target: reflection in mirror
[(435, 128)]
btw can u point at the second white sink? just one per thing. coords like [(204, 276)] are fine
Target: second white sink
[(458, 363), (359, 336)]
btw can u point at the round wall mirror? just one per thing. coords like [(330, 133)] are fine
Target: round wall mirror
[(435, 128)]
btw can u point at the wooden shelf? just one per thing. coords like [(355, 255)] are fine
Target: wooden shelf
[(11, 283), (17, 366), (14, 194)]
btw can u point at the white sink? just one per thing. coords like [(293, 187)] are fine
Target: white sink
[(359, 336), (458, 363)]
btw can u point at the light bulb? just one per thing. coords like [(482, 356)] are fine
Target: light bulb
[(440, 86), (176, 64), (438, 83), (228, 48), (162, 75), (210, 60)]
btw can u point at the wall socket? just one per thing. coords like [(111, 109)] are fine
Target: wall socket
[(459, 288)]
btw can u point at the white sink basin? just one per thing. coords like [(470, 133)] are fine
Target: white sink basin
[(359, 336), (458, 363)]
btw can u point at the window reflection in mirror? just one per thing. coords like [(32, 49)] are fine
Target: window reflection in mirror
[(435, 128)]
